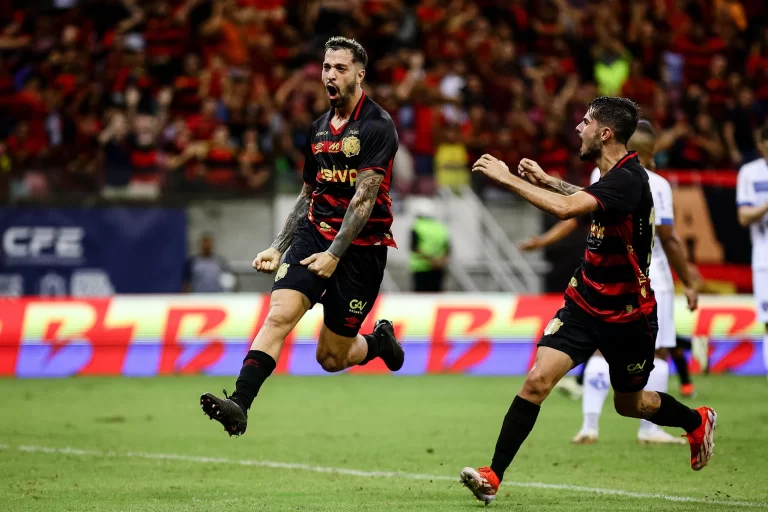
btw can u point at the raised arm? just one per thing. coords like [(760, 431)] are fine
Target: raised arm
[(556, 204)]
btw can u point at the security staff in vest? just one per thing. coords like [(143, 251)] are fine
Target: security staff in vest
[(430, 248)]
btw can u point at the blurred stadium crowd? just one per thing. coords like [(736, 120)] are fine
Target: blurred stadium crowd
[(131, 98)]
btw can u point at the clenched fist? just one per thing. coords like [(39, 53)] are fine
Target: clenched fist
[(267, 261)]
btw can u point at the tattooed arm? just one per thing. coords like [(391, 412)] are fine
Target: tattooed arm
[(561, 187), (360, 207), (531, 171), (299, 211)]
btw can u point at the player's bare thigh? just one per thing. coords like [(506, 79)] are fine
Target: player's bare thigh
[(336, 352), (550, 366), (286, 307)]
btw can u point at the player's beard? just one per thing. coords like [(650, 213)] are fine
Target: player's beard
[(592, 150), (343, 95)]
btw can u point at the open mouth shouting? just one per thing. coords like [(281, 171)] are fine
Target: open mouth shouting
[(333, 92)]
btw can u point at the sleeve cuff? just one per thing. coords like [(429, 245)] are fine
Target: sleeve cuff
[(602, 207), (665, 222), (745, 204)]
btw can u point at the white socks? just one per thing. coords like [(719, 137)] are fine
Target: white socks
[(597, 382), (658, 380)]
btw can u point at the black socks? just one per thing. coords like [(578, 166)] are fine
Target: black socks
[(678, 357), (517, 425), (373, 349), (672, 413), (257, 366)]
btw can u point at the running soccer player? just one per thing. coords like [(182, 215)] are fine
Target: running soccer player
[(752, 201), (667, 249), (336, 238), (609, 303)]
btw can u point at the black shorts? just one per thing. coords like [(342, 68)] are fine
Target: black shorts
[(349, 294), (627, 347)]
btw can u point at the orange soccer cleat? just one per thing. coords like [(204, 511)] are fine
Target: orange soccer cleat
[(702, 440), (483, 483), (687, 390)]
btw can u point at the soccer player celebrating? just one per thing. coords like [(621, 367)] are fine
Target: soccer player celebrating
[(336, 238), (609, 303), (752, 200), (667, 249)]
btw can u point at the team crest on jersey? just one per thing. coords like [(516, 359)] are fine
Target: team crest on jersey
[(553, 326), (350, 146), (282, 271)]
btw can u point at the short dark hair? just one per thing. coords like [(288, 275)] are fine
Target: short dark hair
[(764, 133), (619, 114), (644, 126), (344, 43)]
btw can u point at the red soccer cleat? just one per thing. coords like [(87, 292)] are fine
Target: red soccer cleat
[(702, 440), (483, 483), (687, 390)]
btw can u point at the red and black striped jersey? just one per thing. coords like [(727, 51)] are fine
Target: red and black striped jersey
[(368, 141), (612, 283)]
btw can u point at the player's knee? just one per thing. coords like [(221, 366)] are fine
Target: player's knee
[(280, 317), (538, 384), (331, 362)]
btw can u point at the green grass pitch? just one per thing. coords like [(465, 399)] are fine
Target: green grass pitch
[(355, 443)]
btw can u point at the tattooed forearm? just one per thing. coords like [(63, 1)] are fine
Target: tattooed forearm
[(562, 187), (299, 211), (359, 210)]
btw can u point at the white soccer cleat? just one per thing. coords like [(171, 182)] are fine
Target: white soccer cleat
[(585, 436), (658, 436), (570, 388)]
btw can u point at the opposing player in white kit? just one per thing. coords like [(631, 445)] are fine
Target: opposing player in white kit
[(666, 249), (752, 201)]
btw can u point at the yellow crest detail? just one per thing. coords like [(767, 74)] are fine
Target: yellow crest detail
[(574, 283), (281, 271), (350, 146), (553, 326), (629, 309), (642, 291)]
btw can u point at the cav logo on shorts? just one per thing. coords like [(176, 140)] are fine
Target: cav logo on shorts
[(636, 367), (357, 306), (282, 271)]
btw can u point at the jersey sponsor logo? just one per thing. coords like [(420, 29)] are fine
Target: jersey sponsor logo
[(636, 367), (282, 271), (350, 146), (597, 231), (326, 146), (338, 175), (320, 134), (357, 306)]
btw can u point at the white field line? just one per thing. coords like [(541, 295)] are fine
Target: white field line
[(372, 474)]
